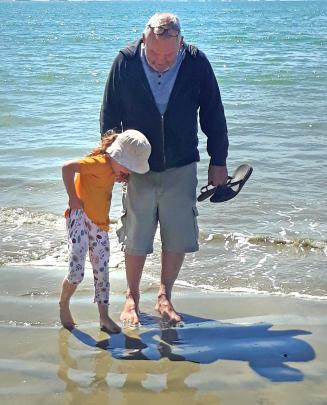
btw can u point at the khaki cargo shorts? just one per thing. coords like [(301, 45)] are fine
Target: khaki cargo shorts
[(166, 198)]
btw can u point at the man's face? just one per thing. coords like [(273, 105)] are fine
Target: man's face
[(161, 52)]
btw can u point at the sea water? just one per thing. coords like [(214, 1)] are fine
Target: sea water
[(270, 59)]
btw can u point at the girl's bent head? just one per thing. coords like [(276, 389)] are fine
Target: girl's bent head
[(131, 150)]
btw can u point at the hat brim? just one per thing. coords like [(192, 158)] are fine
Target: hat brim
[(131, 165)]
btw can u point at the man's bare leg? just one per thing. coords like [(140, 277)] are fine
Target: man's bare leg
[(67, 291), (171, 263), (134, 268)]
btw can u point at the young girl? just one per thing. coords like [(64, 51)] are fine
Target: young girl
[(89, 184)]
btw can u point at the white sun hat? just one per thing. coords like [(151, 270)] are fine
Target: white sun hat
[(132, 150)]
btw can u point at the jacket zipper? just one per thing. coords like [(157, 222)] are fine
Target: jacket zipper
[(163, 140)]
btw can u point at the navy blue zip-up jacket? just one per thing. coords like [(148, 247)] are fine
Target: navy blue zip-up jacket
[(128, 103)]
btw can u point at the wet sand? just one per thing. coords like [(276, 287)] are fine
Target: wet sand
[(231, 349)]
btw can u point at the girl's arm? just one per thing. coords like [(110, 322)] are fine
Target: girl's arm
[(69, 169)]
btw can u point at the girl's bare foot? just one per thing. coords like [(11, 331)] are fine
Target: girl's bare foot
[(166, 309), (108, 325), (66, 318), (129, 315)]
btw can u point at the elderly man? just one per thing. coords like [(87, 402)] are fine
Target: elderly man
[(157, 86)]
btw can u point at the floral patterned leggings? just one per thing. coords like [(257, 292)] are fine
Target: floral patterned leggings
[(83, 236)]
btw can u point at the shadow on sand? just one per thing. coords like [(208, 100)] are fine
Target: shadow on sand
[(205, 341)]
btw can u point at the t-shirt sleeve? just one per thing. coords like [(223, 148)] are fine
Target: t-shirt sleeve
[(89, 165)]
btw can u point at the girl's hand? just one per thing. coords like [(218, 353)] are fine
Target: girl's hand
[(122, 178), (75, 203)]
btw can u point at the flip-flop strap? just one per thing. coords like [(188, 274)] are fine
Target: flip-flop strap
[(235, 183), (229, 183), (206, 188)]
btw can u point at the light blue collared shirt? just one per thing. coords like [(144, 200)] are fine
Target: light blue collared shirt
[(162, 83)]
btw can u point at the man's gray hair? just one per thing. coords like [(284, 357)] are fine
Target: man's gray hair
[(164, 20)]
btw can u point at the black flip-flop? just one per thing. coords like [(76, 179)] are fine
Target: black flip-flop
[(230, 189), (206, 191), (233, 186)]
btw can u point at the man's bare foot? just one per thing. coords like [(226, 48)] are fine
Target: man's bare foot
[(129, 315), (108, 325), (66, 318), (166, 310)]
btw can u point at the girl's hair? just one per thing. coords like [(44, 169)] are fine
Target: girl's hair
[(107, 139)]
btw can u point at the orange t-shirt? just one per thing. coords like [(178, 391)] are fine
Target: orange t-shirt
[(94, 184)]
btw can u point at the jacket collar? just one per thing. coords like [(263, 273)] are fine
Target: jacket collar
[(132, 52)]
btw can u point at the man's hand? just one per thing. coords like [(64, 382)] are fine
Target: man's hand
[(217, 175)]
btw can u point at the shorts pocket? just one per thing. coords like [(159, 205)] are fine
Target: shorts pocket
[(196, 228), (121, 227)]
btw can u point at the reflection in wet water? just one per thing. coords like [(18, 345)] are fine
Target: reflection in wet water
[(96, 377), (161, 359)]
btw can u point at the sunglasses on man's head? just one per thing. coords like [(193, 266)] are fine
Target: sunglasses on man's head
[(171, 32)]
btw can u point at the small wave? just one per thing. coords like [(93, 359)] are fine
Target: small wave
[(39, 238), (30, 235), (36, 293), (209, 288), (21, 216), (248, 291), (300, 244), (22, 324)]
